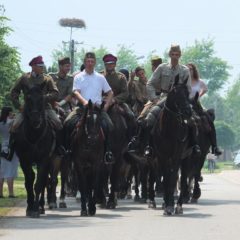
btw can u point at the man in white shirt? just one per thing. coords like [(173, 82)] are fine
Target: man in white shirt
[(90, 84)]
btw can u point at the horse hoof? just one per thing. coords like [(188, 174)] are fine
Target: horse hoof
[(179, 210), (111, 205), (41, 211), (129, 197), (35, 214), (52, 205), (92, 212), (62, 205), (143, 200), (136, 198), (152, 204), (84, 213), (194, 200), (168, 211)]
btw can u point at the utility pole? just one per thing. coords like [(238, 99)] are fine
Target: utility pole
[(72, 23)]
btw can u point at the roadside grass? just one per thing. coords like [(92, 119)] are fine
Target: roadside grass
[(6, 204), (220, 166)]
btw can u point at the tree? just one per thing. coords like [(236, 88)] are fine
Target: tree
[(212, 69), (9, 63)]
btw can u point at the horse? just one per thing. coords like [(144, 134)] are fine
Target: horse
[(87, 155), (113, 171), (35, 141), (191, 166), (169, 138)]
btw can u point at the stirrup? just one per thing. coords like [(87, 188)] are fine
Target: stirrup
[(148, 151), (108, 157), (133, 144)]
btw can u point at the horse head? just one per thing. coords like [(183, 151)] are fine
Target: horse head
[(34, 107), (92, 126), (178, 99)]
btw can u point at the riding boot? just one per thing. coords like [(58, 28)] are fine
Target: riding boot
[(135, 141), (193, 140), (148, 150), (108, 156), (213, 139)]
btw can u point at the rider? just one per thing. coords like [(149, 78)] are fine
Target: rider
[(161, 80), (138, 90), (28, 80), (118, 83), (199, 86), (64, 83), (87, 85)]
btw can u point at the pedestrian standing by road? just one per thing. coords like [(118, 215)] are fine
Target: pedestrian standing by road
[(8, 170)]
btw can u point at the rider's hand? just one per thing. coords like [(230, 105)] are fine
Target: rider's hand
[(155, 100)]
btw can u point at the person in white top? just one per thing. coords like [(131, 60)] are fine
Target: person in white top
[(199, 86), (90, 84)]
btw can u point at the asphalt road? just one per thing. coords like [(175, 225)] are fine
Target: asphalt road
[(215, 217)]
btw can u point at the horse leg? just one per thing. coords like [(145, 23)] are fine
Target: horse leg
[(82, 187), (29, 176), (136, 187), (196, 190), (56, 163), (64, 173), (42, 173), (143, 180), (42, 202), (152, 179)]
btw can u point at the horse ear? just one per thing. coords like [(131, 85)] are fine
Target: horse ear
[(196, 96), (90, 105), (176, 80)]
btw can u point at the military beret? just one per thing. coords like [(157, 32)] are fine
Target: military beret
[(156, 60), (38, 61), (90, 55), (109, 58), (65, 60), (125, 72), (175, 48)]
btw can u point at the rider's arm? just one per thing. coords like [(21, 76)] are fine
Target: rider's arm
[(122, 97), (15, 93), (108, 99), (52, 90), (80, 98), (154, 81)]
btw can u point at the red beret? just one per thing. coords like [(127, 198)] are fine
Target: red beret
[(109, 58), (37, 61)]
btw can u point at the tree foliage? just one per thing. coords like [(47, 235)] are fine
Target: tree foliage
[(9, 63), (212, 69)]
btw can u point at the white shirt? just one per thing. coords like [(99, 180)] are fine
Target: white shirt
[(197, 87), (91, 86)]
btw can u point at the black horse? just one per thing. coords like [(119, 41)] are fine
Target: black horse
[(113, 171), (35, 144), (191, 166), (170, 138), (87, 155)]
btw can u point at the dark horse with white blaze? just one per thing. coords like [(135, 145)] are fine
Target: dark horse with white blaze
[(34, 144), (170, 138), (87, 155)]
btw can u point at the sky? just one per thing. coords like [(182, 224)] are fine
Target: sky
[(142, 25)]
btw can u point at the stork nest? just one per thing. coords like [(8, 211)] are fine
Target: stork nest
[(72, 22)]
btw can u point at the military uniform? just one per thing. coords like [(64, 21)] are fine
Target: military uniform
[(161, 81), (64, 85), (138, 92), (50, 92)]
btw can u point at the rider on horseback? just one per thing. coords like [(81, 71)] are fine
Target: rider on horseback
[(118, 83), (28, 80), (161, 81), (87, 85)]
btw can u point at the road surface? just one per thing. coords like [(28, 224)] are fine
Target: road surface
[(216, 216)]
